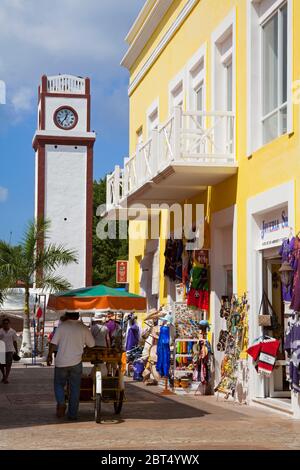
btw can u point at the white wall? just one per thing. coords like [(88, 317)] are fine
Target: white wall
[(65, 197), (222, 244), (79, 104)]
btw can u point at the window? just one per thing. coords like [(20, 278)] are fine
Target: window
[(177, 95), (270, 32), (176, 91), (152, 117), (223, 85), (274, 75)]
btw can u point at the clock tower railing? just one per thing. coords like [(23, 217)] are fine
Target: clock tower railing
[(66, 84)]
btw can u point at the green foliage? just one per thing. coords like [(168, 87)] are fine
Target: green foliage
[(33, 258), (105, 252)]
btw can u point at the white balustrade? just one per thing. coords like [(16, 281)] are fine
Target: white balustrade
[(66, 84), (192, 137), (207, 137)]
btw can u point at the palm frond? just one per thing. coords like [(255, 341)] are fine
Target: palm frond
[(53, 256), (54, 283), (11, 264), (35, 234)]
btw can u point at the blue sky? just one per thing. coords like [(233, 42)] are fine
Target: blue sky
[(39, 37)]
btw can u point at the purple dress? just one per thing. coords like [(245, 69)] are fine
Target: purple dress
[(295, 304), (286, 253), (133, 337)]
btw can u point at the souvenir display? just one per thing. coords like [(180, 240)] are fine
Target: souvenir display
[(232, 342)]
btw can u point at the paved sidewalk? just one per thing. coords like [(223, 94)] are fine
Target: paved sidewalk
[(148, 421)]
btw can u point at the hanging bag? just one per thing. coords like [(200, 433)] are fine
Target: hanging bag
[(267, 316)]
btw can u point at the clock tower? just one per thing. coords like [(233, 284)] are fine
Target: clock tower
[(63, 145)]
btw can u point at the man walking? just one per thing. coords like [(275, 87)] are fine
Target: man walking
[(9, 336), (69, 340)]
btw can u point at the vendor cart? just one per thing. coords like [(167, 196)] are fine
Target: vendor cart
[(106, 384)]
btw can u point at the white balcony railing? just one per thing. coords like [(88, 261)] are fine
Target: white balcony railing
[(194, 138), (66, 84)]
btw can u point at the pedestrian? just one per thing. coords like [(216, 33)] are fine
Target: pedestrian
[(115, 331), (69, 339), (9, 336), (100, 331)]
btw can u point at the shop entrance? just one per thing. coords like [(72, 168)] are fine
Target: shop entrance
[(277, 386)]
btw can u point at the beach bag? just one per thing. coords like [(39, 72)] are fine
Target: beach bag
[(267, 316)]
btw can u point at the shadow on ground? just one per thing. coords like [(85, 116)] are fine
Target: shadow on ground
[(29, 401)]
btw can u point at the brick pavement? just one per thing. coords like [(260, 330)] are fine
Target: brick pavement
[(148, 421)]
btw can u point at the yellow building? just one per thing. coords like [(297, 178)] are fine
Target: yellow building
[(213, 120)]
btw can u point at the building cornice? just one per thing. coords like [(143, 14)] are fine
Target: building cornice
[(42, 138), (144, 30), (162, 44), (141, 18)]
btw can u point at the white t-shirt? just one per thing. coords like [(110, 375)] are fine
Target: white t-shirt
[(70, 339), (8, 337)]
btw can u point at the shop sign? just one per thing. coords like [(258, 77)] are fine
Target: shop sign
[(274, 227), (122, 272)]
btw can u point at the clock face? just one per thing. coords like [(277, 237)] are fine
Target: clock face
[(65, 118)]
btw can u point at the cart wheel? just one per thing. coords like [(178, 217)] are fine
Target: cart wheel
[(119, 403), (98, 408)]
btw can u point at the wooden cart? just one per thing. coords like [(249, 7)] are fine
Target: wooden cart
[(104, 387)]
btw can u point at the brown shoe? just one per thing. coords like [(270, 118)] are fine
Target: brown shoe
[(60, 411)]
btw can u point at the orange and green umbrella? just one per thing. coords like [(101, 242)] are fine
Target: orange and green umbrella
[(96, 298)]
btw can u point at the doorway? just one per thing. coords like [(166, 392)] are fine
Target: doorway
[(277, 386)]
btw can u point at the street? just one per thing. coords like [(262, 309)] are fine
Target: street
[(148, 421)]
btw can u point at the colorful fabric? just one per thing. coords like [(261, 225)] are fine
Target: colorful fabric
[(133, 337), (173, 259), (295, 303), (292, 347), (163, 352), (267, 356), (198, 299), (264, 353)]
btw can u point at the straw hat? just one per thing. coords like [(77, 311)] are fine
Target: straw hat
[(153, 314)]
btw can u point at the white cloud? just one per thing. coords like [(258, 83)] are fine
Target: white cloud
[(3, 194), (22, 99)]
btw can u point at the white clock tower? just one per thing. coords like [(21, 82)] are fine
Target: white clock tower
[(63, 145)]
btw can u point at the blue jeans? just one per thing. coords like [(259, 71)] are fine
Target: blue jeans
[(72, 376)]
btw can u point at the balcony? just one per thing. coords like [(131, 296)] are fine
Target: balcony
[(191, 151), (66, 84)]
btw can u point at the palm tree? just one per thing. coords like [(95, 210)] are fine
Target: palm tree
[(34, 260)]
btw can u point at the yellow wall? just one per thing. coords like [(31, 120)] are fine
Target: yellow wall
[(270, 166)]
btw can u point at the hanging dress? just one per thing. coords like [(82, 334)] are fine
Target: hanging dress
[(295, 304), (163, 352)]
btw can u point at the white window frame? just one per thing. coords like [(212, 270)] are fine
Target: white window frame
[(175, 83), (254, 20), (227, 23), (194, 82), (153, 109), (263, 20)]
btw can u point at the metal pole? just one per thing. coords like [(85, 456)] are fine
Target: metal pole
[(44, 319)]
